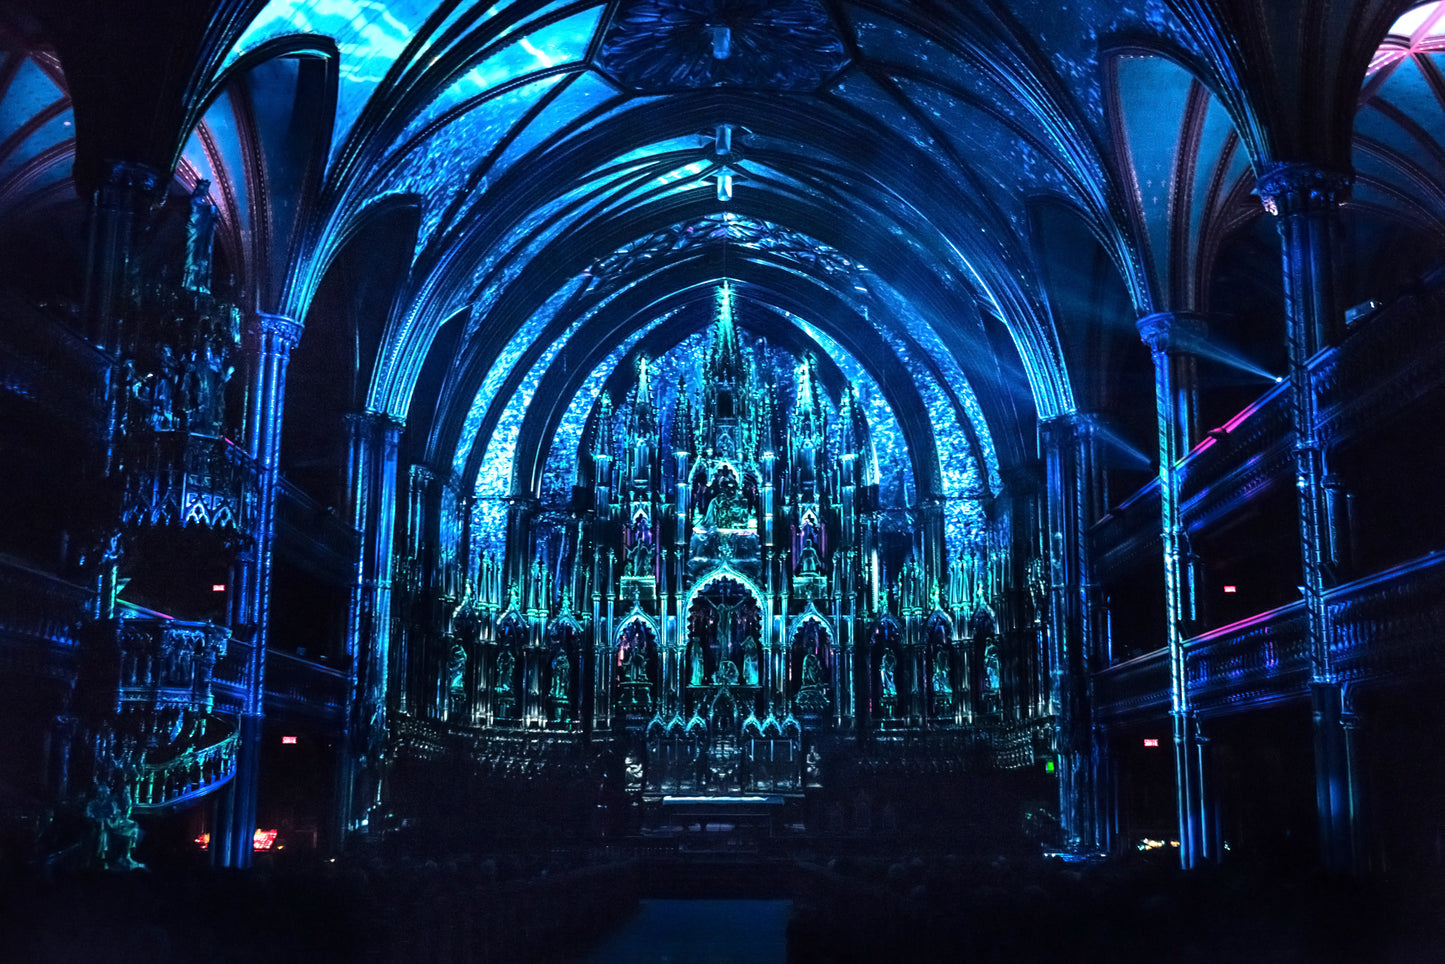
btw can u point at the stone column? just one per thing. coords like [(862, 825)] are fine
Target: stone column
[(1073, 503), (375, 437), (1304, 200), (125, 193), (1171, 337), (270, 340)]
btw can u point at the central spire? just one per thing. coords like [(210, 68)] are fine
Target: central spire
[(726, 352)]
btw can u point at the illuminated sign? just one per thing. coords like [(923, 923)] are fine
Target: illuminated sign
[(1048, 766), (1151, 741), (218, 587), (1231, 589), (288, 741)]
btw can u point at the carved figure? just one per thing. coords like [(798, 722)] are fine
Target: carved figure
[(808, 562), (699, 675), (200, 230), (887, 670), (506, 669), (750, 662), (636, 666), (727, 673), (812, 671), (561, 676), (639, 559), (941, 682)]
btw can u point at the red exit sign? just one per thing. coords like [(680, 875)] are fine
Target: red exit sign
[(1151, 741)]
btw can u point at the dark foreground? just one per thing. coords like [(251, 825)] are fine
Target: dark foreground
[(564, 905)]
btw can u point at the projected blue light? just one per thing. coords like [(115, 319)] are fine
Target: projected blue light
[(555, 45), (560, 471), (439, 169), (507, 359), (369, 34)]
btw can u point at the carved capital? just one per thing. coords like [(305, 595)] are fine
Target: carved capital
[(1172, 332), (1291, 187), (284, 329), (367, 423), (1067, 427), (128, 184)]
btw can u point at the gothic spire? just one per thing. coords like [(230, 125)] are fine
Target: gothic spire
[(726, 360), (807, 413), (602, 426), (682, 427)]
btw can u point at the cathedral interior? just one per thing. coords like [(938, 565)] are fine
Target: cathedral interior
[(638, 443)]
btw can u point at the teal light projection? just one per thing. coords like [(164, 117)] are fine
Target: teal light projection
[(440, 166), (370, 35), (542, 48)]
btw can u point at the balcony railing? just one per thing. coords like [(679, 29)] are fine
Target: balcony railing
[(179, 479), (1386, 624), (191, 773), (299, 684), (1136, 687)]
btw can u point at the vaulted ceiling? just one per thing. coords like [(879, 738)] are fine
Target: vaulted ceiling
[(484, 212)]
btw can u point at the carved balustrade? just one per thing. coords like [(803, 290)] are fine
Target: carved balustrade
[(1391, 623), (298, 684), (1390, 360), (181, 479), (1251, 453), (1384, 625), (1253, 662), (148, 687), (1136, 687)]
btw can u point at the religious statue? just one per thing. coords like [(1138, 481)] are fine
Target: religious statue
[(699, 674), (808, 563), (561, 676), (886, 671), (457, 668), (200, 229), (727, 673), (728, 622), (941, 684), (726, 507), (812, 693), (636, 667), (750, 662), (506, 668), (639, 559), (162, 405)]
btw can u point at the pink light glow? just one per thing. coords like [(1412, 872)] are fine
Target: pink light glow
[(1151, 741)]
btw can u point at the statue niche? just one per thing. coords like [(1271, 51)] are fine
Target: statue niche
[(561, 684), (636, 668), (507, 680), (940, 666), (810, 662), (888, 672), (723, 627)]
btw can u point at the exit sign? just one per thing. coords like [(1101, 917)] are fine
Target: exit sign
[(1151, 741)]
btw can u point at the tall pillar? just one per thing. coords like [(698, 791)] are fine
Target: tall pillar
[(375, 437), (1023, 670), (125, 192), (1171, 336), (270, 340), (1073, 503), (1305, 200)]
